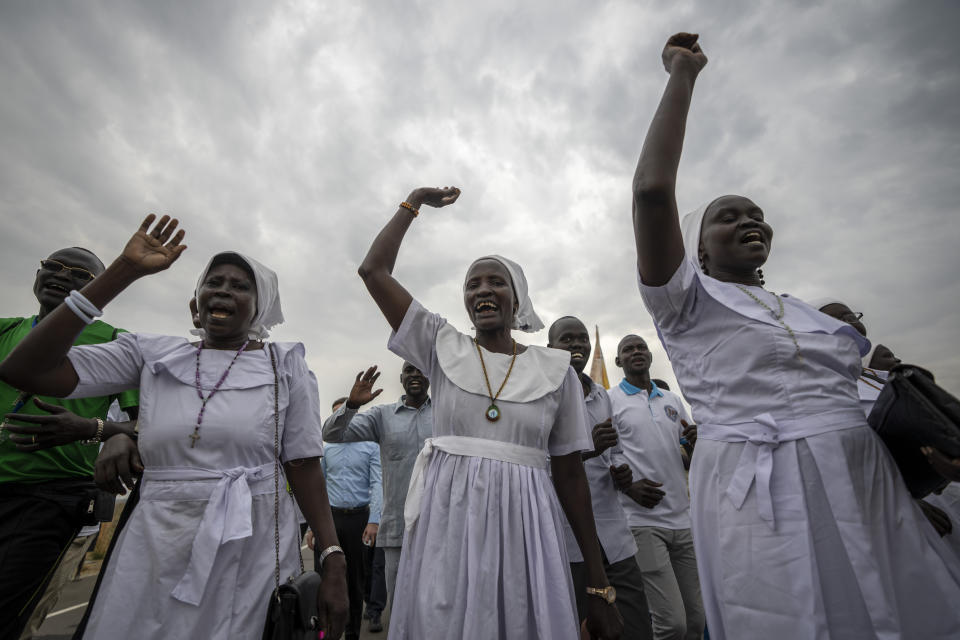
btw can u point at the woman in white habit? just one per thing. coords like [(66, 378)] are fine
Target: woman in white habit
[(802, 525), (483, 554), (197, 556)]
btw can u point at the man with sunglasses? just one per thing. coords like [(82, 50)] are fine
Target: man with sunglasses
[(48, 447)]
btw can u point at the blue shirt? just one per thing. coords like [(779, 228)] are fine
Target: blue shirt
[(352, 472)]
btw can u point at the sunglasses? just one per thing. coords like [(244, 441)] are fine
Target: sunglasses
[(77, 273)]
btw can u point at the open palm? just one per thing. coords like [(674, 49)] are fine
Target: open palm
[(150, 251)]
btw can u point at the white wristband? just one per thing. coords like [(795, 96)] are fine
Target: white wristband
[(84, 304), (72, 305)]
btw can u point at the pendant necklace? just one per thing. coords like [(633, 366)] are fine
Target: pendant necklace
[(777, 315), (203, 401), (493, 411)]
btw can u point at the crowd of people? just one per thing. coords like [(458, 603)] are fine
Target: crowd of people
[(506, 494)]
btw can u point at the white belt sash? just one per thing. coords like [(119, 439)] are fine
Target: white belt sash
[(763, 436), (464, 446), (228, 516)]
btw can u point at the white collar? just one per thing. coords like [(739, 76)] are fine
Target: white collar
[(537, 371)]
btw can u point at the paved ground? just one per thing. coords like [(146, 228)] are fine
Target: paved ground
[(62, 622)]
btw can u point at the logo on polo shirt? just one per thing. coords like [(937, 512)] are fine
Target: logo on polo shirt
[(671, 413)]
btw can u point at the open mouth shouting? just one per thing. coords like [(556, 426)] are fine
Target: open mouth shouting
[(56, 288), (219, 311), (753, 238), (486, 308)]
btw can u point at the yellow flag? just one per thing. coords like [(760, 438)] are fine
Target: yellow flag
[(598, 369)]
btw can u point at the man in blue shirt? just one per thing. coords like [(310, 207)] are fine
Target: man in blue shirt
[(352, 472)]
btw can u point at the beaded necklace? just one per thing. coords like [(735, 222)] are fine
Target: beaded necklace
[(203, 401), (493, 411), (777, 315)]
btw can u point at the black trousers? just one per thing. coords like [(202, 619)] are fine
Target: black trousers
[(625, 577), (375, 586), (350, 524), (37, 524)]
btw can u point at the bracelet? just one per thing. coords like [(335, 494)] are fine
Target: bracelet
[(73, 306), (326, 552), (98, 436), (409, 207)]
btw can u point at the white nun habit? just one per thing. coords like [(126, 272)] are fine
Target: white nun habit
[(802, 525)]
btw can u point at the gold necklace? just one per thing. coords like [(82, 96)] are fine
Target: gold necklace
[(493, 411), (777, 315)]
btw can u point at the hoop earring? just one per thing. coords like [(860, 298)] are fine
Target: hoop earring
[(760, 275)]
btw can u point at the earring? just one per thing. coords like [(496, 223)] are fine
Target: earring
[(760, 275)]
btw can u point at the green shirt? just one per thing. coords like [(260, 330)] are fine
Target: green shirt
[(73, 460)]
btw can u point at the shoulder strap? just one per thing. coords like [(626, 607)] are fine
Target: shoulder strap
[(276, 468)]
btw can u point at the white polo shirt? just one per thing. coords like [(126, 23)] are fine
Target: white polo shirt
[(612, 528), (650, 432)]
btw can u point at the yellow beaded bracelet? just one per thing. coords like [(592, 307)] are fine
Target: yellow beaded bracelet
[(409, 207)]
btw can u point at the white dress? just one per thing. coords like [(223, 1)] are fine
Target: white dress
[(806, 529), (196, 557), (486, 558)]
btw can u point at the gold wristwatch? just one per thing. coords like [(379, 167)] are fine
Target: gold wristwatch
[(609, 594)]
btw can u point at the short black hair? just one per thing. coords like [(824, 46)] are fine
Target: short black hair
[(660, 384), (338, 401)]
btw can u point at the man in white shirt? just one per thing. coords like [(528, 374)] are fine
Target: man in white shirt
[(651, 424), (607, 471)]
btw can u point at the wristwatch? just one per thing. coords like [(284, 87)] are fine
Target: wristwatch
[(609, 594)]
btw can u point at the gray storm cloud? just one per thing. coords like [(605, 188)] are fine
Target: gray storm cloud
[(291, 131)]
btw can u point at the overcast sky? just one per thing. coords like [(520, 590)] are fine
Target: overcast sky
[(291, 130)]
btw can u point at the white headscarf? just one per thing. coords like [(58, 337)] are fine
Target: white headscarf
[(269, 313), (526, 318), (804, 318)]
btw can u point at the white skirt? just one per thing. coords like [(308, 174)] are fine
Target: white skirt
[(851, 555)]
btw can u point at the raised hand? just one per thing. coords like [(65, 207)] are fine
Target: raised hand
[(433, 197), (53, 429), (362, 391), (604, 436), (683, 49), (153, 250)]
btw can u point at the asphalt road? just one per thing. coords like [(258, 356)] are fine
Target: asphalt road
[(63, 620)]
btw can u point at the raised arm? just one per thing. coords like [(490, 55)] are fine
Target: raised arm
[(656, 223), (346, 425), (377, 267), (39, 363)]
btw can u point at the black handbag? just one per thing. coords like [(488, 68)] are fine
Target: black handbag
[(912, 411), (292, 612)]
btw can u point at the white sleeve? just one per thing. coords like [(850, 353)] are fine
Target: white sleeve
[(416, 339), (672, 304), (107, 368), (302, 423), (570, 432)]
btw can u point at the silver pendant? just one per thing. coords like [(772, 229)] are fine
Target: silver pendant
[(493, 413)]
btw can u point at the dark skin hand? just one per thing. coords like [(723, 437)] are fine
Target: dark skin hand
[(604, 437), (622, 476), (943, 464), (646, 493), (58, 427), (937, 517), (117, 465), (690, 433), (362, 391)]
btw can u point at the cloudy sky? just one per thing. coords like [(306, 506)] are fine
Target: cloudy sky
[(291, 130)]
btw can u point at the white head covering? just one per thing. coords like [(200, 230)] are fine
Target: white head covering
[(803, 318), (269, 313), (526, 318)]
